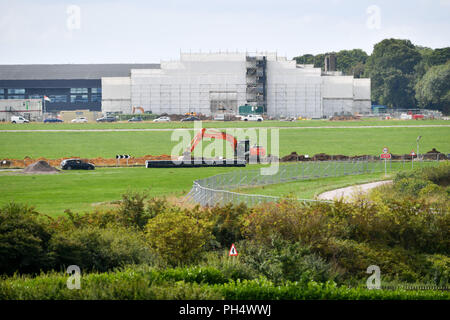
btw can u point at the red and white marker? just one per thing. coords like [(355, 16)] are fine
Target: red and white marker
[(233, 251)]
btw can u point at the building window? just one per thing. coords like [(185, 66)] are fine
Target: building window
[(2, 91), (79, 98), (96, 97), (78, 90), (16, 96), (34, 96), (58, 98), (96, 90), (2, 97), (16, 91)]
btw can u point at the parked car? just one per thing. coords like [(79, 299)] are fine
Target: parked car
[(79, 120), (252, 117), (51, 120), (106, 119), (19, 119), (76, 164), (219, 117), (162, 119), (135, 119), (190, 118)]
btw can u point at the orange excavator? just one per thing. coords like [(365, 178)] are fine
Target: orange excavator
[(241, 149), (242, 153)]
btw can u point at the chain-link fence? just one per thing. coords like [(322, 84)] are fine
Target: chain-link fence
[(221, 189)]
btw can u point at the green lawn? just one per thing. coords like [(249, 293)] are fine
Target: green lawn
[(308, 189), (217, 124), (77, 190), (107, 144)]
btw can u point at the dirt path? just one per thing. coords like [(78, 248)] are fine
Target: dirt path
[(349, 192)]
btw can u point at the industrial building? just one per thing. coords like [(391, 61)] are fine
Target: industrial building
[(68, 86), (211, 83), (206, 83)]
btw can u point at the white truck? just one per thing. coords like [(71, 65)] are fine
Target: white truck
[(19, 119), (252, 117)]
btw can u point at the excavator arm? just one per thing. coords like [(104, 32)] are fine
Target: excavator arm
[(213, 134)]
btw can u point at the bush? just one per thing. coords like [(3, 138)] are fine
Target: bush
[(232, 268), (24, 238), (132, 211), (281, 261), (178, 237), (94, 248), (227, 223), (288, 220)]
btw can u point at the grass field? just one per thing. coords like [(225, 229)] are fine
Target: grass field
[(308, 189), (53, 145), (53, 194), (79, 190), (218, 124)]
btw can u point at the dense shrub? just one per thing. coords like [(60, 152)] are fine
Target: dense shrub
[(134, 284), (178, 237), (281, 260), (227, 223), (100, 249), (232, 268), (24, 237)]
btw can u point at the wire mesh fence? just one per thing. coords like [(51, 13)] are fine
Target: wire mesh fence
[(221, 189)]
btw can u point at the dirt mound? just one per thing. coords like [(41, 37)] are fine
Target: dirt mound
[(345, 117), (40, 167)]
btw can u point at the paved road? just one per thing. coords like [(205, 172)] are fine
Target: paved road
[(349, 192), (171, 129)]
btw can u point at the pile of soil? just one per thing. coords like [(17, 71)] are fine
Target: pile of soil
[(433, 154), (40, 167), (343, 118)]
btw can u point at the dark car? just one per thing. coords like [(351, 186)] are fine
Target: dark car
[(76, 164), (50, 120), (191, 118), (106, 119), (134, 119)]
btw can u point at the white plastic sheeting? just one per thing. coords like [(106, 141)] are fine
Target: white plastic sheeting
[(116, 94), (208, 82)]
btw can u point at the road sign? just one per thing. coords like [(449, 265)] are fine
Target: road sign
[(385, 150), (122, 156), (385, 156), (412, 153), (233, 251)]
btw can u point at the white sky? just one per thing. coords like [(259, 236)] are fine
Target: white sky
[(149, 31)]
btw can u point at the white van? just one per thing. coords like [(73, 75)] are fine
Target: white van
[(18, 119), (252, 117)]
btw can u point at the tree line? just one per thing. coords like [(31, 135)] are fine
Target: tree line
[(403, 75)]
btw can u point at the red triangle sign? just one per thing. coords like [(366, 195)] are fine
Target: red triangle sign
[(233, 251)]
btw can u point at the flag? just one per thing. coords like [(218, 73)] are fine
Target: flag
[(47, 98)]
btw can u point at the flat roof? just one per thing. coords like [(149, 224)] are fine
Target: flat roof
[(69, 71)]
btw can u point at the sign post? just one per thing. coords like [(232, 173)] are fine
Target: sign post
[(412, 158), (385, 155), (233, 251)]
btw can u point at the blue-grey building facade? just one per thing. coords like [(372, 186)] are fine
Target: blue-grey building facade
[(68, 86)]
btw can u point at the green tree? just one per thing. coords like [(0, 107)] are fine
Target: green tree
[(433, 90), (392, 68)]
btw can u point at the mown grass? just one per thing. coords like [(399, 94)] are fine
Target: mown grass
[(53, 145), (78, 190), (308, 189), (217, 124)]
